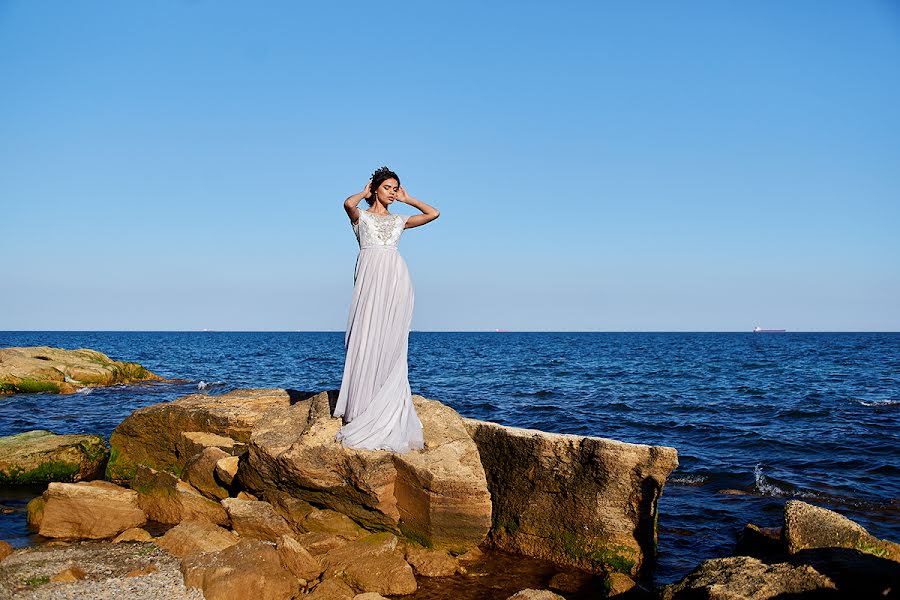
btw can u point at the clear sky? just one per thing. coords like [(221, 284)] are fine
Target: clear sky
[(599, 166)]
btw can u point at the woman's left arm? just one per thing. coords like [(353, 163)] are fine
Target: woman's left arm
[(429, 213)]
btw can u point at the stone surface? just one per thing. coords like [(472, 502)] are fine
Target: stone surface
[(89, 510), (431, 563), (438, 496), (167, 499), (746, 577), (619, 583), (73, 573), (196, 536), (56, 370), (297, 559), (332, 589), (369, 596), (42, 456), (151, 435), (808, 526), (226, 469), (569, 582), (135, 534), (5, 549), (758, 542), (256, 519), (535, 595), (191, 443), (585, 502), (199, 471), (250, 569), (373, 563)]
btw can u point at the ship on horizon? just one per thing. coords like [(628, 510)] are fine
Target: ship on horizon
[(759, 329)]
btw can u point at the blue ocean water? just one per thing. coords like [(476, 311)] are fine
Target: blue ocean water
[(769, 417)]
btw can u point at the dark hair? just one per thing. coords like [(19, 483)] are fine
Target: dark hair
[(379, 177)]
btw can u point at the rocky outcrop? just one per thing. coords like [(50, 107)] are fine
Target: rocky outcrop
[(42, 456), (87, 510), (807, 526), (579, 501), (60, 371)]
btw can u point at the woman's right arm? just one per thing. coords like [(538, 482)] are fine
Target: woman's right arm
[(351, 202)]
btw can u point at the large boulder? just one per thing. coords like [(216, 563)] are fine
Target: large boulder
[(437, 496), (167, 499), (60, 371), (192, 536), (248, 569), (807, 526), (157, 435), (42, 456), (88, 510), (579, 501), (374, 563)]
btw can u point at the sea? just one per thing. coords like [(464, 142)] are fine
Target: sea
[(757, 418)]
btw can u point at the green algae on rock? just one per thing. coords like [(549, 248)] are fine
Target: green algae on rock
[(35, 369), (41, 456)]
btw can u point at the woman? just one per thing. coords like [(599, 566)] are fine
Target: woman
[(375, 399)]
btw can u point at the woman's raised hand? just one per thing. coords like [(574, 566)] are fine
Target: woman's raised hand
[(402, 196), (367, 191)]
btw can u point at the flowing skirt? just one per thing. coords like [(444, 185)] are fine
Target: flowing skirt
[(375, 398)]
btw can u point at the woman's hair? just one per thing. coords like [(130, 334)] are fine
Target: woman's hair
[(379, 177)]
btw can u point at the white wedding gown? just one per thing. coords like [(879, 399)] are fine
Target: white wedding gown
[(375, 398)]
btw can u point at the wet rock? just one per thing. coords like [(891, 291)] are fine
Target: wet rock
[(530, 594), (297, 559), (58, 371), (196, 536), (746, 577), (42, 456), (373, 563), (89, 510), (167, 499), (135, 534), (432, 563), (758, 542), (807, 526), (569, 582), (200, 473), (579, 501), (248, 569)]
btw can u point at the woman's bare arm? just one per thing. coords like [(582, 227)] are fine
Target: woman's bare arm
[(429, 213), (351, 202)]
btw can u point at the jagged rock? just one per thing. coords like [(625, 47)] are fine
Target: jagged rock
[(332, 589), (89, 510), (373, 563), (5, 549), (191, 443), (226, 469), (297, 559), (42, 456), (151, 435), (432, 563), (196, 536), (256, 519), (535, 595), (758, 542), (746, 577), (248, 569), (579, 501), (167, 499), (135, 534), (55, 370), (437, 496), (619, 583), (808, 526), (200, 473)]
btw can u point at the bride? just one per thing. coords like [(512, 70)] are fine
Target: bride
[(375, 398)]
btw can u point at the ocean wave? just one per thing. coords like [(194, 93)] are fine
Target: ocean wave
[(885, 402), (84, 390), (692, 480), (205, 385)]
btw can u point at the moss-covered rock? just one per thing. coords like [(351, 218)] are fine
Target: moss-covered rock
[(41, 456)]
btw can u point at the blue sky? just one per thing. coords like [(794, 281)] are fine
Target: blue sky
[(653, 166)]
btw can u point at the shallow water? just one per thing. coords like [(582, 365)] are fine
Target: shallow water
[(812, 416)]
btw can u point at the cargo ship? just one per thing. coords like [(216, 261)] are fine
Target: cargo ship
[(761, 330)]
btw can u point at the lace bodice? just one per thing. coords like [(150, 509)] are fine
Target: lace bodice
[(379, 230)]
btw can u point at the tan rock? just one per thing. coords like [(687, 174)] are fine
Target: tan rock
[(167, 499), (196, 536), (807, 526), (73, 573), (292, 509), (256, 519), (569, 582), (243, 495), (226, 469), (135, 534), (249, 569), (297, 559), (530, 594), (619, 583), (320, 543), (142, 571), (191, 443), (200, 473), (56, 370), (438, 496), (150, 435), (330, 521), (432, 563), (41, 457), (92, 510), (332, 589), (35, 512), (369, 596), (579, 501), (5, 549), (373, 563)]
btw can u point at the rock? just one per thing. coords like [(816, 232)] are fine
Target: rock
[(200, 473), (432, 563), (584, 502), (35, 512), (256, 519), (369, 596), (373, 563), (297, 559), (248, 569), (437, 497), (167, 499), (332, 589), (535, 595), (58, 371), (151, 435), (746, 577), (808, 526), (191, 443), (619, 583), (330, 521), (242, 495), (73, 573), (92, 510), (5, 550), (320, 543), (142, 571), (135, 534), (569, 582), (758, 542), (196, 536), (226, 468), (42, 456)]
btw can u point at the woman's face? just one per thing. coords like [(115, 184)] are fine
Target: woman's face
[(387, 191)]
